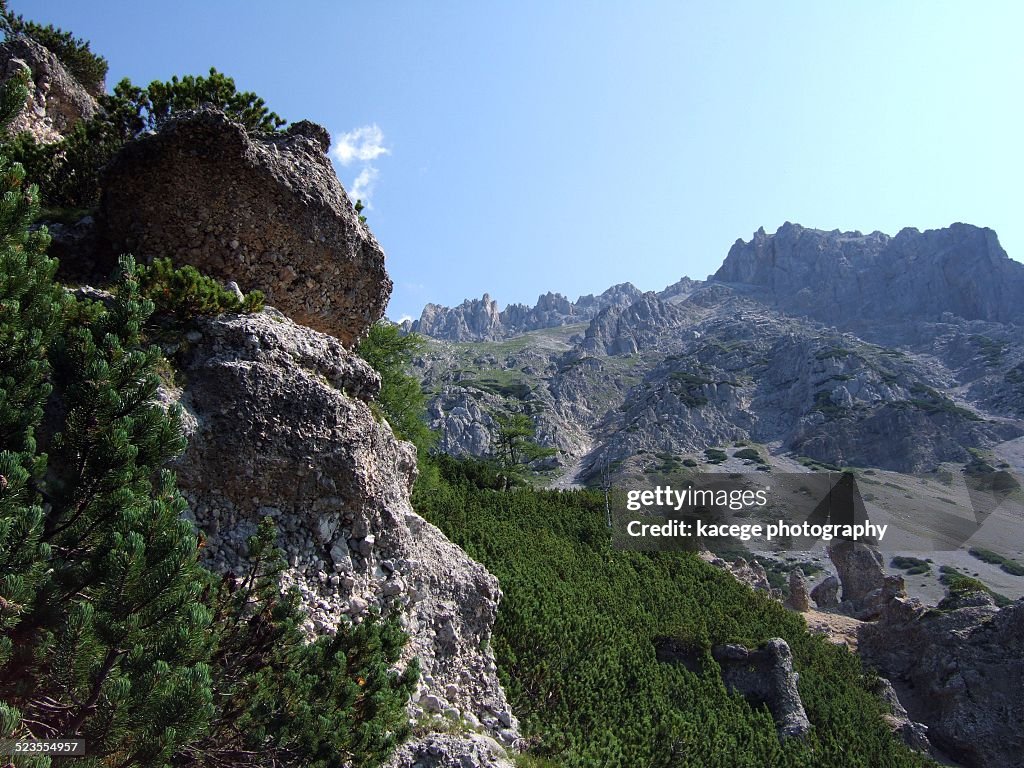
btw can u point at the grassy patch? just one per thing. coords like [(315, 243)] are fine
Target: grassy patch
[(913, 566), (958, 583), (1007, 564)]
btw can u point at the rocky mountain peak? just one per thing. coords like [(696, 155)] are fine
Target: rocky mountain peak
[(861, 281), (480, 320)]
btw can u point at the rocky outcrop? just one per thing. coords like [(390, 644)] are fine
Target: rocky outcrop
[(626, 330), (441, 750), (473, 320), (866, 587), (752, 574), (266, 211), (914, 735), (859, 567), (797, 599), (765, 676), (56, 100), (960, 670), (279, 425), (465, 421), (480, 320), (855, 280), (825, 594)]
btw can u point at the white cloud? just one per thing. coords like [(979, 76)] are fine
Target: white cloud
[(403, 318), (362, 186), (363, 144)]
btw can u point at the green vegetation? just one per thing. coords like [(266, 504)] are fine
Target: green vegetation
[(715, 455), (814, 464), (837, 353), (67, 171), (991, 351), (1007, 564), (515, 444), (689, 388), (823, 403), (86, 67), (959, 584), (110, 630), (401, 401), (576, 633), (750, 454), (185, 293), (926, 399), (913, 566)]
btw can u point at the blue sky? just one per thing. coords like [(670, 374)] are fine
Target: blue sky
[(516, 148)]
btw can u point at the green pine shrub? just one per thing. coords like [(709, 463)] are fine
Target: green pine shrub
[(68, 171), (288, 702), (184, 293), (576, 640)]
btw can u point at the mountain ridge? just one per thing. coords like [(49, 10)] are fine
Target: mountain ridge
[(961, 269)]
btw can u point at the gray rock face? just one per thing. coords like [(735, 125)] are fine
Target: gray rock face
[(798, 599), (480, 320), (279, 425), (625, 330), (859, 567), (826, 593), (465, 421), (855, 280), (959, 670), (766, 676), (56, 100), (914, 735), (450, 751), (267, 212)]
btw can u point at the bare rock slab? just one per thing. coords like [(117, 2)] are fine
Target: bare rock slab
[(265, 211)]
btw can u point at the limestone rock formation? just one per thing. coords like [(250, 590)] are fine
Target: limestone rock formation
[(856, 280), (279, 426), (480, 320), (825, 594), (474, 319), (625, 330), (766, 676), (441, 750), (798, 599), (859, 567), (914, 735), (866, 587), (267, 212), (56, 100), (960, 670), (752, 574)]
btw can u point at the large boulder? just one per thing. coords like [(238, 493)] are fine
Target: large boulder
[(859, 567), (825, 593), (266, 211), (279, 424), (56, 100), (960, 670)]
